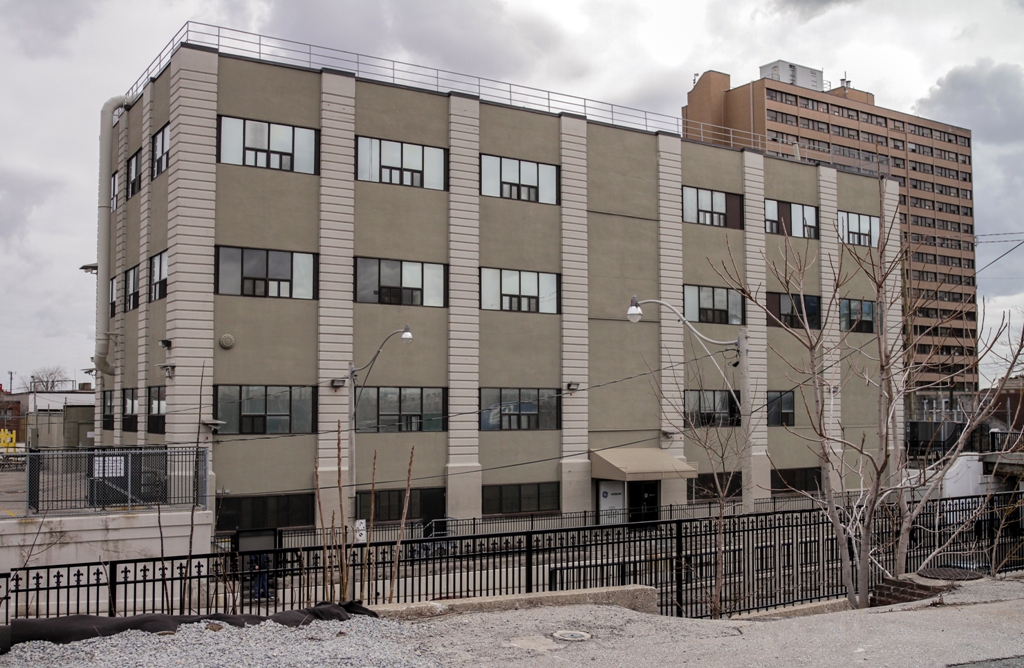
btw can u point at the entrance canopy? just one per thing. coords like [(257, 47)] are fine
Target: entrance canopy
[(631, 464)]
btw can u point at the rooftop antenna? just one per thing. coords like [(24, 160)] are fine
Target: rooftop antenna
[(696, 75)]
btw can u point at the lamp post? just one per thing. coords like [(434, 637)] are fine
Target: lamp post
[(406, 334), (634, 313)]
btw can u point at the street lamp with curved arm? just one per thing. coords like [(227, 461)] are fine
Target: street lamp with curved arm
[(634, 314), (353, 388)]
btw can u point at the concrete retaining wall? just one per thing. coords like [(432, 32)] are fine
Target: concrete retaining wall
[(89, 538)]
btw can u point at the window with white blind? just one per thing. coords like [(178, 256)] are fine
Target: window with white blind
[(509, 178), (400, 163), (512, 290), (268, 145)]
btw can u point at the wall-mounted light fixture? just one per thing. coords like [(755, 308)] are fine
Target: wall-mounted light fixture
[(165, 343), (572, 386), (338, 383), (167, 368)]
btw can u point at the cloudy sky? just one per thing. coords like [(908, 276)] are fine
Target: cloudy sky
[(953, 61)]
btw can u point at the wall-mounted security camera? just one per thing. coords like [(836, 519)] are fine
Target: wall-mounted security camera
[(214, 425)]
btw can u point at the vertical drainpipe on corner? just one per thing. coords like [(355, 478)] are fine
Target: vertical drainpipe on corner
[(103, 214)]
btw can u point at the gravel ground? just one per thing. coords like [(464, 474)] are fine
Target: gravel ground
[(982, 620), (361, 641)]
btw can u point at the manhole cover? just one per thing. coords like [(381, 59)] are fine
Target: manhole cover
[(949, 574), (573, 636)]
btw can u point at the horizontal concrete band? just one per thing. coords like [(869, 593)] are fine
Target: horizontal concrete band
[(633, 597)]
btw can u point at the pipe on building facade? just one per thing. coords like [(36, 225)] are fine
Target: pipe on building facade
[(103, 233)]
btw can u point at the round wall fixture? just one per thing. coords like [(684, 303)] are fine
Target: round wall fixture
[(227, 342), (571, 636)]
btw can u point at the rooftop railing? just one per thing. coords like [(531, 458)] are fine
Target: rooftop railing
[(289, 52)]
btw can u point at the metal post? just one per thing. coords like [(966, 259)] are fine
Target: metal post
[(128, 461), (529, 563), (677, 567), (351, 439)]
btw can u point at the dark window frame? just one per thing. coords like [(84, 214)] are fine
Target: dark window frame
[(714, 415), (299, 511), (160, 147), (132, 289), (389, 503), (730, 217), (781, 305), (130, 409), (255, 422), (512, 416), (703, 486), (267, 153), (266, 280), (515, 302), (516, 191), (158, 266), (134, 179), (796, 480), (157, 413), (713, 315), (863, 325), (508, 499), (406, 419), (409, 177), (107, 410), (780, 408), (393, 295)]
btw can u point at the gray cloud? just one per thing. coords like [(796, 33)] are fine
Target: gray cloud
[(481, 36), (808, 9), (20, 195), (986, 97), (41, 29)]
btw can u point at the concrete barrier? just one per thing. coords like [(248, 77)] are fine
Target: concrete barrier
[(633, 597)]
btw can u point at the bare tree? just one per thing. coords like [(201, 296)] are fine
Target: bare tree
[(46, 379), (867, 474)]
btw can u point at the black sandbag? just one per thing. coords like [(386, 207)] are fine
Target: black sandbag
[(62, 630)]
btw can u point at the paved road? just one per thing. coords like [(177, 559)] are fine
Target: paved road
[(982, 621)]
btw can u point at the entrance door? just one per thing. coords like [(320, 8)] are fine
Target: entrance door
[(432, 511), (643, 500)]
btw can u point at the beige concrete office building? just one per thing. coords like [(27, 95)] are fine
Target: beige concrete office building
[(791, 108), (272, 222)]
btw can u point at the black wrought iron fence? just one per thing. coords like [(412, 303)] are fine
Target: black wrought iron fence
[(700, 567)]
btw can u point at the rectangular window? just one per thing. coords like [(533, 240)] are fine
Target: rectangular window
[(108, 409), (518, 179), (543, 497), (383, 161), (157, 410), (786, 310), (235, 513), (130, 410), (131, 289), (722, 306), (781, 412), (789, 481), (158, 276), (919, 130), (265, 409), (390, 409), (112, 296), (113, 191), (712, 408), (919, 149), (511, 290), (781, 117), (400, 282), (255, 272), (858, 229), (857, 315), (161, 150), (811, 124), (711, 207), (797, 220), (269, 145), (389, 503), (518, 409), (134, 174), (727, 484)]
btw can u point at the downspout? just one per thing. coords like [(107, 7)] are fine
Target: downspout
[(103, 233)]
